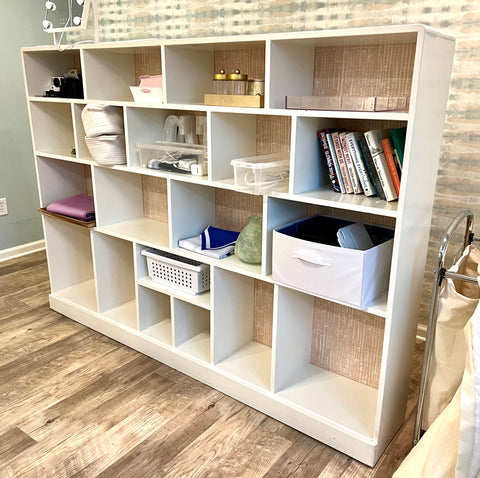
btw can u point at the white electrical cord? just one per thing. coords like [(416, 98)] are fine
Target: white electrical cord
[(66, 23)]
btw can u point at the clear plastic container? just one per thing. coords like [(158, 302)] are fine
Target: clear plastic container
[(173, 157), (261, 174)]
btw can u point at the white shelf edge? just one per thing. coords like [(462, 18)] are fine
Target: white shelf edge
[(350, 202), (124, 230), (377, 307), (372, 115), (63, 157), (200, 300), (230, 263)]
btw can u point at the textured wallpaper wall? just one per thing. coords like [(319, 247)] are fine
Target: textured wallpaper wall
[(458, 185)]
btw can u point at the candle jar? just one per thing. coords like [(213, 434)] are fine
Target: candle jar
[(237, 83), (256, 87), (220, 83)]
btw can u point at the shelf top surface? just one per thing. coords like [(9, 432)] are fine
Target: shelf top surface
[(368, 34)]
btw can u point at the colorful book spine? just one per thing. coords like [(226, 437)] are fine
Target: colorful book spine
[(374, 142), (341, 162), (352, 171), (335, 162), (398, 137), (370, 166), (322, 136), (356, 155), (387, 149)]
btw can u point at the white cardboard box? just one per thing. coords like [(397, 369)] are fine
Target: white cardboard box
[(306, 256)]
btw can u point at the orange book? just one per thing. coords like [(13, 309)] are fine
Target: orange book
[(391, 164)]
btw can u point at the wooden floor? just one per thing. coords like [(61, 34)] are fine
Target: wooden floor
[(74, 403)]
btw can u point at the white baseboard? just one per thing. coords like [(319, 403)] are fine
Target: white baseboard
[(21, 250)]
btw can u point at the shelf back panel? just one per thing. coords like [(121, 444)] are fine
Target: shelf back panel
[(263, 318), (364, 70), (232, 209), (273, 134), (155, 202), (148, 61), (347, 341), (250, 62)]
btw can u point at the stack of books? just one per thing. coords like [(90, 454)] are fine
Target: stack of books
[(367, 163)]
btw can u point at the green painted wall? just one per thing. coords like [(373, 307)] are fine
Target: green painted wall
[(20, 25)]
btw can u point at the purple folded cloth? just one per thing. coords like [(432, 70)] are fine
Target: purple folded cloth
[(79, 207)]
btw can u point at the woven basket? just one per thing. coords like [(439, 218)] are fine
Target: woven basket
[(99, 120), (107, 149)]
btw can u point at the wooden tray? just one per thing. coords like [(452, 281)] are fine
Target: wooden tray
[(246, 101), (71, 220)]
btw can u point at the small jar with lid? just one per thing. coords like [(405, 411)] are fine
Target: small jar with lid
[(220, 83), (256, 87), (237, 83)]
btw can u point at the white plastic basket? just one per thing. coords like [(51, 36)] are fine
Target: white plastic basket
[(108, 149), (99, 120), (177, 272)]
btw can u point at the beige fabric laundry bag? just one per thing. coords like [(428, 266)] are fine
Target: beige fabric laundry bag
[(456, 303)]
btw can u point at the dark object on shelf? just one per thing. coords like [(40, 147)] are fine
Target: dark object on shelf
[(67, 86)]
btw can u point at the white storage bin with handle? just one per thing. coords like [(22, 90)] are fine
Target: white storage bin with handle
[(307, 256), (99, 120), (107, 149)]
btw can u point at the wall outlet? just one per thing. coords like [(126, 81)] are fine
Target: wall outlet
[(3, 207)]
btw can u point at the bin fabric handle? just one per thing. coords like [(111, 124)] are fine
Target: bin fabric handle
[(312, 259)]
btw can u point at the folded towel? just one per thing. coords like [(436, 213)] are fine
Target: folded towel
[(212, 242), (79, 207)]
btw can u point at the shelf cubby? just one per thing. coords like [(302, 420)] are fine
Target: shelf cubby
[(70, 262), (61, 179), (132, 206), (195, 206), (328, 372), (144, 125), (367, 66), (190, 68), (109, 72), (310, 178), (242, 324), (202, 300), (114, 272), (237, 136), (191, 330), (81, 148), (53, 129), (154, 315), (42, 65)]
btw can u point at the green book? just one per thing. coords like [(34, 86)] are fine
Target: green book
[(398, 138)]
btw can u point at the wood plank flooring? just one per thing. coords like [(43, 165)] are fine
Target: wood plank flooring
[(74, 403)]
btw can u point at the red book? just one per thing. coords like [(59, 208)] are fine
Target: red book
[(391, 164)]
